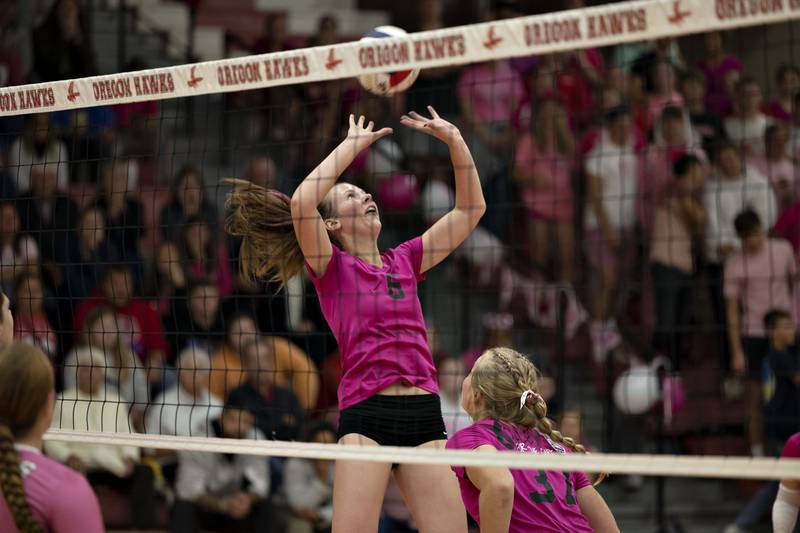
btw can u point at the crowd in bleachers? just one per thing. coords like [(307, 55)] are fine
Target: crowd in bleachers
[(626, 164)]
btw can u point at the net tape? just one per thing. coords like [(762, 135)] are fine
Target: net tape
[(540, 34), (650, 465)]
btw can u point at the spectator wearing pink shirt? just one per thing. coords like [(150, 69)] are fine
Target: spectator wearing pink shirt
[(757, 279), (747, 124), (664, 93), (678, 220), (787, 79), (489, 94), (544, 165), (674, 138), (783, 174), (718, 67)]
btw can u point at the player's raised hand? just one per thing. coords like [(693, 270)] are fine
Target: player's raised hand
[(435, 126), (364, 135)]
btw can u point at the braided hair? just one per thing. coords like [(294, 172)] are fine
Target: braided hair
[(503, 376), (26, 381)]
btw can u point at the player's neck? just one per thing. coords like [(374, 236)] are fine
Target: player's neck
[(34, 441)]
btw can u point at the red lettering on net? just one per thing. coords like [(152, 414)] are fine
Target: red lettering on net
[(492, 40), (677, 17), (194, 79), (333, 62), (72, 94)]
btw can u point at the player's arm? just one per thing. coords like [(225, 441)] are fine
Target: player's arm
[(496, 501), (452, 229), (75, 509), (596, 511), (784, 510), (308, 224)]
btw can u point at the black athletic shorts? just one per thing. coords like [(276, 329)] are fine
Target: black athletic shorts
[(395, 420)]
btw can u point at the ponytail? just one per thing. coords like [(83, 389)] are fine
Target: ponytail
[(508, 382), (263, 219), (11, 484), (26, 382)]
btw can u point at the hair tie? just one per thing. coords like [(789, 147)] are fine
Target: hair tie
[(524, 398)]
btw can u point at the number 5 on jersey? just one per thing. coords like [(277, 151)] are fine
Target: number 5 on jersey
[(395, 290)]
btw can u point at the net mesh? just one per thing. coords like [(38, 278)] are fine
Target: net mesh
[(617, 148)]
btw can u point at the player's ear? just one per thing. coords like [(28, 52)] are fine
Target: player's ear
[(332, 224)]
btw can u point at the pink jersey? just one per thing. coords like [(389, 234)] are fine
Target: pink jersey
[(544, 501), (376, 317), (61, 499), (791, 450)]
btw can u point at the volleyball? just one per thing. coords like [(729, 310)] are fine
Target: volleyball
[(636, 390), (387, 83)]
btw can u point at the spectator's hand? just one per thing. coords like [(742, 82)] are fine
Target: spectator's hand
[(6, 321), (238, 505), (364, 136), (435, 126), (310, 515), (130, 465), (738, 362), (726, 250), (76, 464)]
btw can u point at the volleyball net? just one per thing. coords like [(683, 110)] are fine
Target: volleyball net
[(600, 137)]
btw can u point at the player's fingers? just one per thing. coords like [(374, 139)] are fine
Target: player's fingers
[(433, 112), (370, 125), (352, 120), (361, 121), (410, 122), (416, 116), (383, 132)]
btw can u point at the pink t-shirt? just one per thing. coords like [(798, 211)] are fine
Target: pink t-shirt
[(791, 450), (776, 110), (760, 282), (544, 501), (61, 499), (552, 198), (783, 175), (717, 102), (375, 315), (494, 90)]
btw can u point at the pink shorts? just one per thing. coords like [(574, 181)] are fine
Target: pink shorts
[(601, 255)]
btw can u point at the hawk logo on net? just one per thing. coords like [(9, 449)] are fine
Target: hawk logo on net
[(678, 16), (194, 80), (72, 94), (492, 40), (333, 62)]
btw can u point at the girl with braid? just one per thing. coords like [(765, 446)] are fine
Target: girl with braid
[(388, 394), (37, 494), (500, 394)]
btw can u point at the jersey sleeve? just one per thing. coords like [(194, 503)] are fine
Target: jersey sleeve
[(469, 438), (579, 480), (412, 250), (330, 271), (76, 509)]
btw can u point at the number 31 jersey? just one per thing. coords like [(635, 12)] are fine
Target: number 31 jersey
[(544, 501)]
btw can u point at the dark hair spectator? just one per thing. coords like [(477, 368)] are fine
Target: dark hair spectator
[(773, 316), (204, 255), (123, 212), (31, 323), (787, 80), (187, 200), (721, 70), (707, 124), (746, 125), (165, 280), (38, 145), (88, 252), (198, 322), (62, 45), (19, 251), (780, 169), (746, 223)]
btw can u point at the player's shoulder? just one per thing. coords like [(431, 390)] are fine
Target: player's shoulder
[(489, 431), (791, 449)]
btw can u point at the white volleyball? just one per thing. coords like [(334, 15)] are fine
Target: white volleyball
[(387, 83), (636, 390)]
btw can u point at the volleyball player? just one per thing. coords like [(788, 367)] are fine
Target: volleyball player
[(500, 394), (787, 502), (388, 393), (37, 494)]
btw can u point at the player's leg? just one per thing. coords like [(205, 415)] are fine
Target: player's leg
[(358, 490), (432, 495)]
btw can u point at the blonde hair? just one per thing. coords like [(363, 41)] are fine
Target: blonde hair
[(502, 376), (26, 381)]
